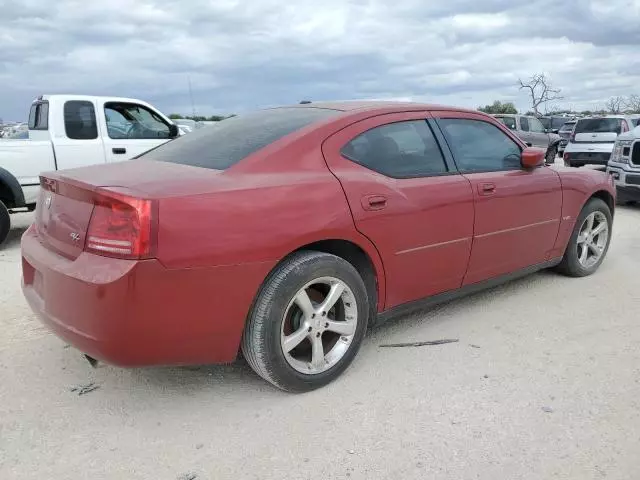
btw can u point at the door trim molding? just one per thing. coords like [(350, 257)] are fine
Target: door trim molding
[(434, 245), (515, 229)]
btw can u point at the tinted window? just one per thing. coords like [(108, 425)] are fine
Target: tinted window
[(510, 122), (134, 122), (39, 116), (567, 127), (479, 146), (398, 150), (535, 125), (80, 120), (599, 125), (524, 124), (546, 122), (635, 122), (237, 137), (557, 122)]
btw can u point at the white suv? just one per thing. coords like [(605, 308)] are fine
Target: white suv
[(592, 139), (624, 166)]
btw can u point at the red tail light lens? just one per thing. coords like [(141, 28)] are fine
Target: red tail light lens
[(121, 226)]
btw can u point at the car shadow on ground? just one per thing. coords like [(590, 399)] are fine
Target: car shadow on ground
[(13, 239), (238, 375)]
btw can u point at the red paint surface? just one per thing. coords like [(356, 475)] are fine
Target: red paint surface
[(221, 232)]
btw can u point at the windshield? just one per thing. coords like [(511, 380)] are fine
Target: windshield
[(599, 125), (237, 137)]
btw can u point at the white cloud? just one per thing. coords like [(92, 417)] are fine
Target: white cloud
[(243, 55)]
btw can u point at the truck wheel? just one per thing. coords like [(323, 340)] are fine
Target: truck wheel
[(5, 222), (589, 241), (307, 323)]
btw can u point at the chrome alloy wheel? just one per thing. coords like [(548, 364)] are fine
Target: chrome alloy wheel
[(319, 325), (592, 239)]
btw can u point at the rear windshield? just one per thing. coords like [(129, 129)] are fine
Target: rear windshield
[(222, 145), (567, 127), (599, 125)]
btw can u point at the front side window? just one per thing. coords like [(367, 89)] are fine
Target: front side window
[(80, 120), (536, 126), (134, 122), (398, 150), (524, 124), (479, 146)]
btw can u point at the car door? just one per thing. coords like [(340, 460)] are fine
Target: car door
[(76, 137), (131, 129), (539, 137), (407, 198), (517, 211)]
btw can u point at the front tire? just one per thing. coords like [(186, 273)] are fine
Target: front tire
[(589, 241), (307, 322), (5, 222)]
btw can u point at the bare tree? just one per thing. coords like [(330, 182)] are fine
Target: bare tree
[(540, 91), (633, 103), (615, 104)]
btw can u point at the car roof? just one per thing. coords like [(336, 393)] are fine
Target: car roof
[(382, 105)]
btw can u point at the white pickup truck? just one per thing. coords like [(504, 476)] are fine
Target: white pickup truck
[(67, 131)]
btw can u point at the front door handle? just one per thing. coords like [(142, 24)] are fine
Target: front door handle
[(119, 151), (486, 188), (374, 202)]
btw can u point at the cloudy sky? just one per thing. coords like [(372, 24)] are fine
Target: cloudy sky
[(241, 55)]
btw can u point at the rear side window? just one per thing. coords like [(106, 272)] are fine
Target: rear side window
[(39, 116), (80, 120), (599, 125), (230, 140), (524, 124), (398, 150)]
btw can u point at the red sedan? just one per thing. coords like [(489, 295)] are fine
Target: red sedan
[(286, 232)]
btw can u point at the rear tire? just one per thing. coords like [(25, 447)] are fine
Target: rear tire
[(290, 304), (5, 222), (575, 263)]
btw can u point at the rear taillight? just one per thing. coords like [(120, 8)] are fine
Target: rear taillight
[(121, 226)]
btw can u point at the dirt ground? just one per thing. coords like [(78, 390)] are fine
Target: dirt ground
[(544, 383)]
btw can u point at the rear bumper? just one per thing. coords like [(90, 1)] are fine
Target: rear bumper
[(136, 313)]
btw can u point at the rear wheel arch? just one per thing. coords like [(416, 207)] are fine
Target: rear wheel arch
[(360, 260), (10, 190)]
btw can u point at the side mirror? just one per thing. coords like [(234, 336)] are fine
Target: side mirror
[(532, 157), (173, 131)]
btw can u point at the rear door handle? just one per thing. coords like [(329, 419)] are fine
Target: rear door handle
[(374, 202), (486, 188), (119, 151)]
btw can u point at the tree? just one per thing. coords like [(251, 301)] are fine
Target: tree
[(614, 104), (633, 103), (540, 90), (499, 107)]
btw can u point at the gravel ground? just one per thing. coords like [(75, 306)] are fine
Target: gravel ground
[(544, 383)]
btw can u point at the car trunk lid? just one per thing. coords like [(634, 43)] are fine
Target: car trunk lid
[(68, 198)]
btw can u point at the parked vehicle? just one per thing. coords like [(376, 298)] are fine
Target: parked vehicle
[(67, 131), (554, 123), (565, 133), (592, 139), (287, 232), (532, 132), (624, 166)]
